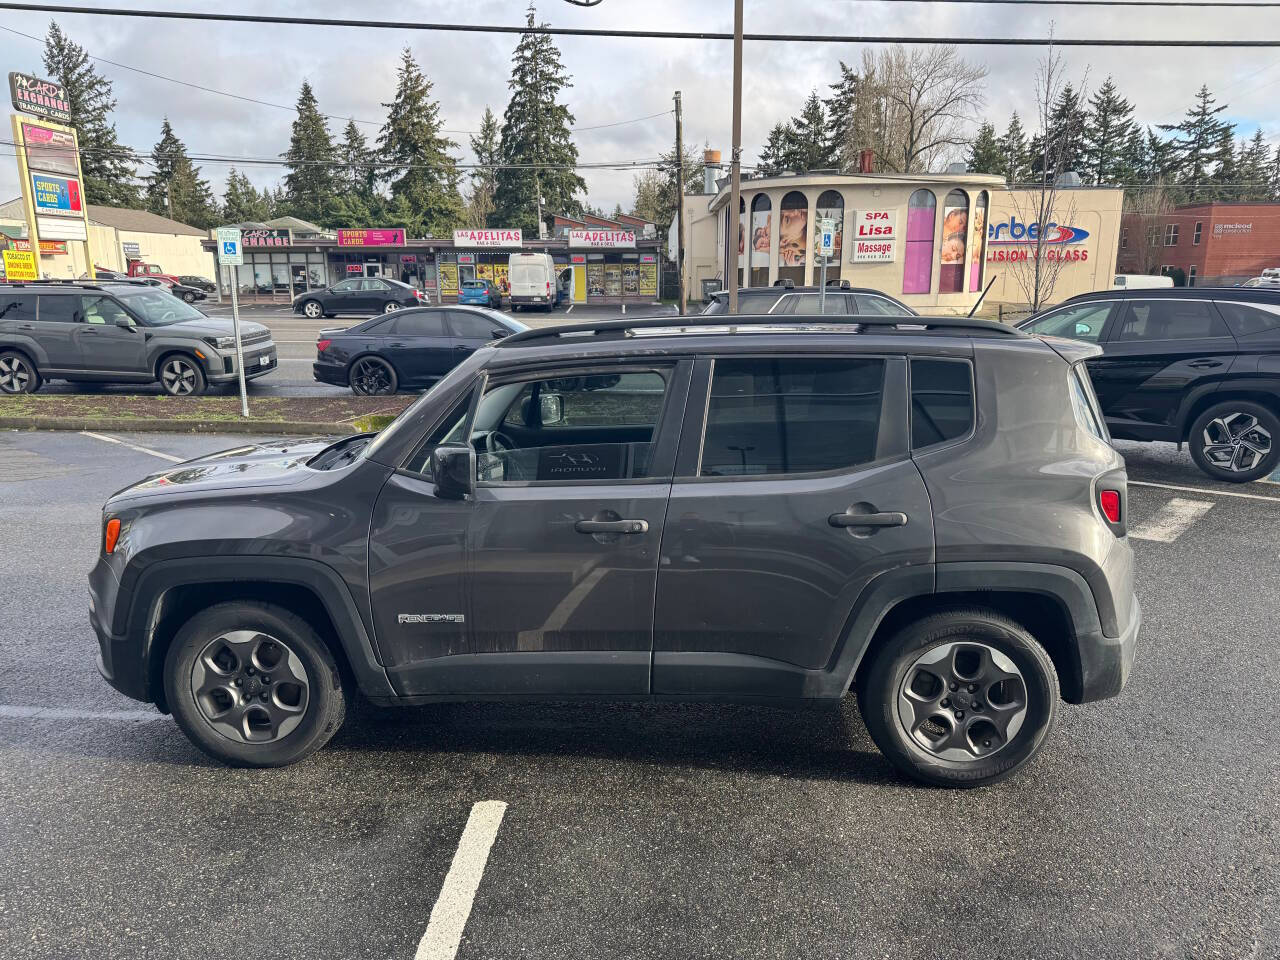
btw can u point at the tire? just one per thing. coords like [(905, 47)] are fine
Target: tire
[(391, 307), (189, 297), (312, 310), (372, 377), (180, 376), (18, 374), (1236, 441), (284, 714), (900, 688)]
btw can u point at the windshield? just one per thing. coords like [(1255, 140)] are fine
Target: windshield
[(156, 307)]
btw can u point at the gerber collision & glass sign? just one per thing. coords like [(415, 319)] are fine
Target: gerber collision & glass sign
[(1012, 240)]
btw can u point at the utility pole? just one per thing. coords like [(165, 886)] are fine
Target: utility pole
[(735, 160), (680, 205)]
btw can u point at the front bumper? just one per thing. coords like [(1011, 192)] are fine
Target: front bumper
[(222, 367), (119, 660)]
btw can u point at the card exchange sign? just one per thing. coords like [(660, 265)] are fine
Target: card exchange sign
[(41, 98)]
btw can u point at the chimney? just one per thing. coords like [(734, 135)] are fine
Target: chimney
[(866, 161), (710, 166)]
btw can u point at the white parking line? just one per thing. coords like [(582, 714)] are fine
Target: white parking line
[(453, 907), (1201, 490), (132, 446), (1172, 520), (8, 712)]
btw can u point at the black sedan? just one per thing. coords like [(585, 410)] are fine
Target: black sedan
[(410, 350), (359, 295), (200, 283)]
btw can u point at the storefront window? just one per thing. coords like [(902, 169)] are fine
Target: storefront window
[(315, 270), (244, 278), (761, 214), (978, 242), (262, 273), (793, 227), (955, 230), (280, 273), (918, 266), (830, 207)]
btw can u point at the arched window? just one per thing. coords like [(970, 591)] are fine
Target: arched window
[(761, 214), (978, 242), (918, 266), (955, 231), (742, 239), (830, 207), (793, 230)]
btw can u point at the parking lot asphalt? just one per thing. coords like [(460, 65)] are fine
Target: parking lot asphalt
[(1147, 827)]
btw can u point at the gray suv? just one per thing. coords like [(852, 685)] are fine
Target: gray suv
[(925, 511), (119, 333)]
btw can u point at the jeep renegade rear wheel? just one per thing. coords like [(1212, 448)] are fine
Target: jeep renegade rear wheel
[(959, 699), (252, 685)]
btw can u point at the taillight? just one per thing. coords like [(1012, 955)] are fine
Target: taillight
[(548, 288), (111, 535), (1109, 501), (417, 293), (323, 345)]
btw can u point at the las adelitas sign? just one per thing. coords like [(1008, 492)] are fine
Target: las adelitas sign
[(497, 237), (603, 239)]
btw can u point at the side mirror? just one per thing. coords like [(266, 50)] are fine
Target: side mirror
[(551, 409), (453, 468), (498, 334), (126, 324), (1082, 330)]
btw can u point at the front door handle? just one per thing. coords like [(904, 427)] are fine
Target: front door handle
[(1198, 364), (612, 526), (867, 519)]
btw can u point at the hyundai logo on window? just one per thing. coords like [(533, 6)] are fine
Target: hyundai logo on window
[(1015, 231)]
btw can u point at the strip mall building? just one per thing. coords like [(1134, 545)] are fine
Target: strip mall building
[(932, 240)]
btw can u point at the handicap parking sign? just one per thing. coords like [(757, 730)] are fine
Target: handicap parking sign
[(229, 252)]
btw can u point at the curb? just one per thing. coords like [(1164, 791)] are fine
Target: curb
[(295, 428)]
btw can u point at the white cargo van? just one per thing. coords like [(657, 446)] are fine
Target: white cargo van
[(533, 280), (1140, 281)]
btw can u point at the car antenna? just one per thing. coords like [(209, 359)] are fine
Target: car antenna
[(983, 295)]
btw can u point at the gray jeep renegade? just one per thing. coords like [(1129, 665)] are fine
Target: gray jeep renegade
[(927, 511)]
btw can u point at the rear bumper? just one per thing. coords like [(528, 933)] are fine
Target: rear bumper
[(333, 373), (1105, 661)]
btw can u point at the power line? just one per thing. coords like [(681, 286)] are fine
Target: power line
[(1262, 4), (622, 34), (291, 109)]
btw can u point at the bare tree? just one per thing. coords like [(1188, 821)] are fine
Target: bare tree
[(916, 105), (1041, 203), (1149, 206)]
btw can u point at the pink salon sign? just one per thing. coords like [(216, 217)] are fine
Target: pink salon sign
[(380, 237)]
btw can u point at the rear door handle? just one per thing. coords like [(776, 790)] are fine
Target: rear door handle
[(612, 526), (867, 519), (1205, 363)]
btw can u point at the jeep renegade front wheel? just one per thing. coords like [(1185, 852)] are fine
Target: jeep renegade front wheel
[(959, 699), (252, 685)]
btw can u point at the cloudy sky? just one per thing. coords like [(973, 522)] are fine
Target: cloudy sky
[(353, 70)]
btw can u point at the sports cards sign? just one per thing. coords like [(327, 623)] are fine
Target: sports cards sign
[(56, 196)]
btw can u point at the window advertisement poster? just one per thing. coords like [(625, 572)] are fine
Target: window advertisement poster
[(595, 279), (649, 280), (760, 225), (613, 279), (836, 216), (976, 238), (52, 151), (56, 196), (792, 228), (630, 279), (955, 227), (448, 279)]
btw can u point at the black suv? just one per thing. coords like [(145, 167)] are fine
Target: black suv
[(120, 333), (639, 510), (841, 300), (1197, 365)]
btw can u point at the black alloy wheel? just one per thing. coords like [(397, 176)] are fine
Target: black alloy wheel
[(372, 376), (17, 375)]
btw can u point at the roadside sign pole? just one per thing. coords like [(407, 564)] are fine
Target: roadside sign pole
[(822, 295), (235, 323), (231, 254)]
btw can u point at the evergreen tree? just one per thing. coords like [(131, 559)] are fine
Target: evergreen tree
[(776, 156), (810, 145), (1015, 158), (657, 193), (175, 188), (356, 202), (310, 184), (1197, 145), (1067, 123), (241, 201), (486, 144), (1252, 167), (984, 152), (536, 136), (842, 110), (1106, 137), (1275, 175), (109, 172), (424, 177)]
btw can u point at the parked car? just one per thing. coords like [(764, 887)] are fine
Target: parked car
[(632, 509), (187, 293), (409, 351), (840, 300), (1261, 282), (480, 293), (200, 283), (357, 295), (103, 275), (1141, 281), (1194, 365), (533, 281), (120, 333)]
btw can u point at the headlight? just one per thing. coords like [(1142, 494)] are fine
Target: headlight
[(221, 343)]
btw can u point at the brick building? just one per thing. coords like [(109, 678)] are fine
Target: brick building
[(1211, 243)]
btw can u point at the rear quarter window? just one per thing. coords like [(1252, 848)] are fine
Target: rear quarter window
[(1249, 319), (941, 401)]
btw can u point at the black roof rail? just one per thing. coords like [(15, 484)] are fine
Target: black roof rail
[(57, 282), (722, 323)]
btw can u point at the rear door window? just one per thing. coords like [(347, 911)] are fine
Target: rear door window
[(791, 415), (1170, 320), (813, 304), (60, 309), (18, 307), (941, 400)]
